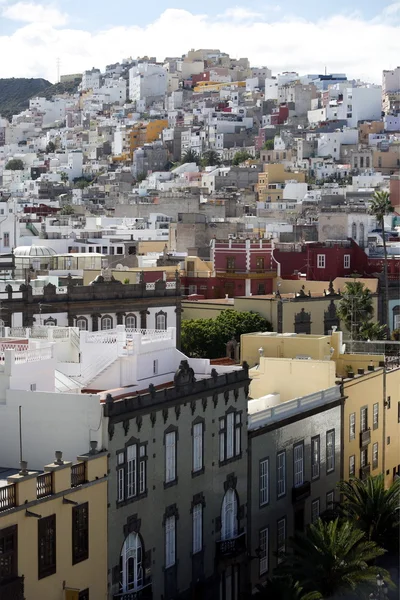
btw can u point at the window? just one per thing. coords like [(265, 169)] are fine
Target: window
[(264, 482), (260, 263), (375, 455), (130, 322), (281, 539), (106, 323), (330, 500), (170, 457), (230, 432), (315, 456), (198, 431), (352, 465), (352, 426), (131, 472), (47, 546), (330, 451), (84, 594), (81, 324), (263, 546), (398, 412), (321, 261), (314, 511), (298, 460), (155, 367), (197, 528), (132, 564), (354, 230), (6, 240), (364, 419), (375, 416), (230, 264), (364, 457), (170, 541), (8, 553), (229, 521), (161, 320), (347, 261), (281, 474), (80, 533)]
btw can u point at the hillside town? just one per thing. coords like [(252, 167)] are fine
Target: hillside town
[(200, 335)]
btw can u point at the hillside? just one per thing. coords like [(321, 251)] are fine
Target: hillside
[(16, 93)]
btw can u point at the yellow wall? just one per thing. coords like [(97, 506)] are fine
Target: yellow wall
[(204, 309), (266, 307), (131, 274), (291, 378), (280, 346), (202, 268), (90, 573), (154, 128), (392, 453), (275, 173)]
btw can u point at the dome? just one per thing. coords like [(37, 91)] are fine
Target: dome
[(29, 251)]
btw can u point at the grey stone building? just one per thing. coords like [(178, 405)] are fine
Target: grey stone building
[(178, 488), (294, 454)]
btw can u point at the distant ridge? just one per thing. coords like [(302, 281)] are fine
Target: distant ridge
[(15, 93)]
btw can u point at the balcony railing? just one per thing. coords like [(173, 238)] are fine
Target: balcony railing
[(44, 485), (7, 497), (365, 472), (365, 438), (12, 589), (301, 492), (146, 593), (232, 547), (78, 474)]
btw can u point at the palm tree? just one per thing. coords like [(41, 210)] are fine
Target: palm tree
[(211, 158), (190, 157), (334, 559), (373, 508), (355, 307), (284, 588), (380, 207), (372, 331)]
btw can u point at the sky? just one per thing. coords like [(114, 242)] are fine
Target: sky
[(357, 37)]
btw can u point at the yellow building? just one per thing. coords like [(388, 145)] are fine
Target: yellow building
[(53, 531), (272, 181)]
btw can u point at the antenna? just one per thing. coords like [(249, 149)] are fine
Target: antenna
[(58, 63)]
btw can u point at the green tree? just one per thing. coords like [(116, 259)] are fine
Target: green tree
[(240, 157), (211, 158), (373, 508), (284, 588), (269, 145), (190, 157), (380, 207), (207, 338), (333, 559), (372, 331), (50, 148), (64, 177), (355, 308), (67, 210), (15, 164)]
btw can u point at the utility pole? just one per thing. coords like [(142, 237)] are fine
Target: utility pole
[(58, 63)]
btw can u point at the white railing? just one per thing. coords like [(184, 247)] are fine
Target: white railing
[(61, 333), (17, 332), (39, 333), (27, 356), (149, 334), (16, 347), (150, 286), (108, 336), (287, 409), (94, 369), (171, 285)]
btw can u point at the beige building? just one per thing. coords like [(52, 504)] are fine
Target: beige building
[(294, 431), (53, 531), (272, 181)]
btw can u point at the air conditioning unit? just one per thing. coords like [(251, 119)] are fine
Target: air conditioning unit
[(33, 387)]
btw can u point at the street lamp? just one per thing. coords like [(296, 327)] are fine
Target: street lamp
[(381, 589)]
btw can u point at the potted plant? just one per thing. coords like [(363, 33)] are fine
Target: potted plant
[(350, 371)]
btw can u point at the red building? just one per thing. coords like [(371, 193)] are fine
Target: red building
[(322, 261), (239, 268), (280, 115)]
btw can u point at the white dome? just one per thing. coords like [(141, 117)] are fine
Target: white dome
[(34, 251)]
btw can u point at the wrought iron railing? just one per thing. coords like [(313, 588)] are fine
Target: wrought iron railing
[(7, 497), (44, 485), (78, 474)]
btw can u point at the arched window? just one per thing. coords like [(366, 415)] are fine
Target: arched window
[(106, 323), (354, 231), (82, 324), (229, 522), (130, 321), (132, 564), (161, 320)]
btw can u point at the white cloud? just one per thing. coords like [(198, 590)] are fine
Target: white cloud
[(31, 12), (342, 43)]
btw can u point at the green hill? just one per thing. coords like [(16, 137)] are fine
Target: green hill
[(16, 93)]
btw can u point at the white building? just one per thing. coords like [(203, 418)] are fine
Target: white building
[(91, 80), (391, 81), (362, 103), (329, 143), (147, 81), (271, 88)]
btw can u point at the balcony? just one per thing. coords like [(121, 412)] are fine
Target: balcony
[(365, 438), (301, 492), (365, 472), (146, 593), (12, 589), (231, 548)]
